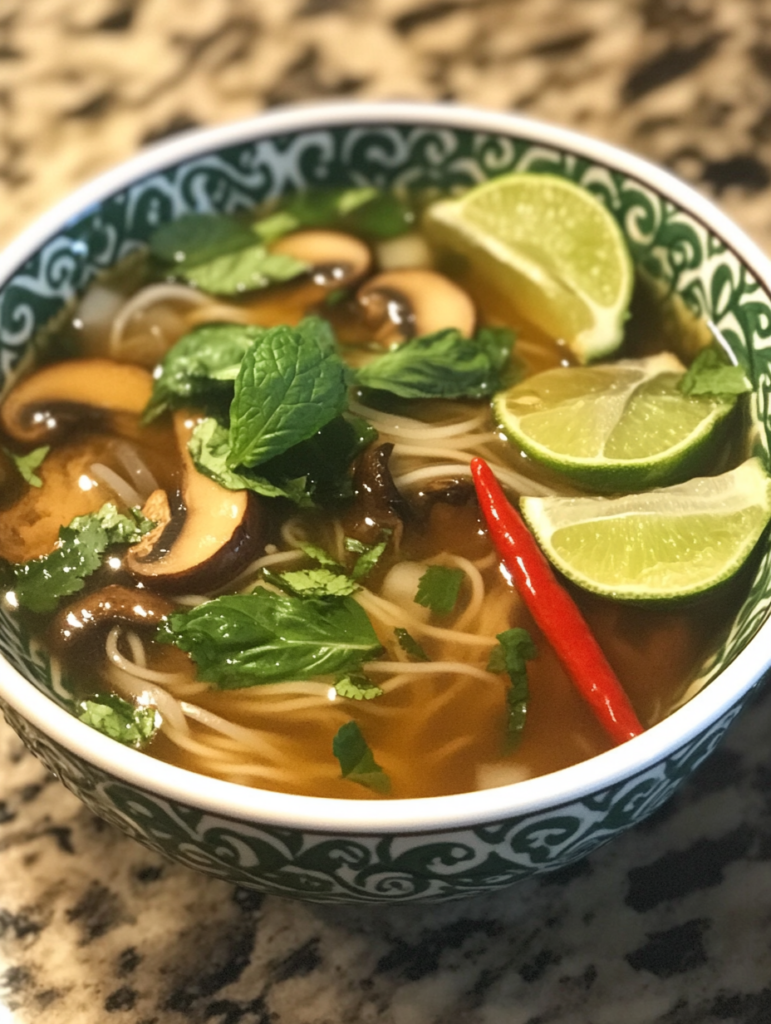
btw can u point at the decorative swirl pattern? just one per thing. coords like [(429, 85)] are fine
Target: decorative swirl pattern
[(675, 250)]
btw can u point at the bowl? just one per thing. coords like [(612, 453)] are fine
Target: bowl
[(402, 850)]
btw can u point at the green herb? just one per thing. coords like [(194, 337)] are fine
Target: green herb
[(711, 374), (442, 365), (119, 720), (362, 210), (288, 387), (201, 367), (27, 464), (262, 637), (357, 762), (244, 271), (41, 582), (319, 555), (356, 686), (369, 555), (209, 448), (515, 649), (439, 587), (410, 645), (220, 255), (318, 583)]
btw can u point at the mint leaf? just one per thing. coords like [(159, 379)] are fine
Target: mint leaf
[(41, 582), (119, 720), (288, 387), (711, 374), (357, 762), (318, 583), (262, 637), (209, 448), (357, 687), (439, 587), (410, 645), (363, 210), (245, 270), (201, 367), (196, 238), (515, 649), (27, 464), (442, 365)]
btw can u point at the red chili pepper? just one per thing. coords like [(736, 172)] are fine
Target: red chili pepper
[(554, 610)]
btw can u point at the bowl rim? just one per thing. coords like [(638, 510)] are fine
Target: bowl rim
[(426, 814)]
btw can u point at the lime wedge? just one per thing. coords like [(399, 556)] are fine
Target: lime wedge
[(665, 544), (552, 248), (618, 427)]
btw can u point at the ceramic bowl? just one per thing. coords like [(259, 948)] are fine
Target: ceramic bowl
[(402, 850)]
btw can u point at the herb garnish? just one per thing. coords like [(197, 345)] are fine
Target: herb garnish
[(515, 649), (262, 637), (439, 587), (362, 210), (357, 761), (27, 464), (41, 582), (410, 645), (116, 718), (356, 686), (711, 374)]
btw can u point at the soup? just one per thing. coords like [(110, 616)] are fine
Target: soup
[(309, 598)]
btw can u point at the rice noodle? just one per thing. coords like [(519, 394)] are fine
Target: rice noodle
[(511, 479), (247, 737), (140, 671), (431, 668), (127, 494), (407, 427), (396, 616), (151, 295), (137, 469)]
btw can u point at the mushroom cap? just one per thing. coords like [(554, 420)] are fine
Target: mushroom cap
[(113, 603), (205, 542), (53, 399), (401, 304), (337, 259)]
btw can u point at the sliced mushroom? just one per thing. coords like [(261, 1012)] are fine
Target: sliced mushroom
[(377, 501), (401, 304), (110, 604), (336, 259), (55, 398), (206, 539)]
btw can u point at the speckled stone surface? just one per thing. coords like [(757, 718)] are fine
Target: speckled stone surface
[(670, 924)]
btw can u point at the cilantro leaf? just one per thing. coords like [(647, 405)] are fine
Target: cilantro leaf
[(515, 649), (249, 639), (288, 387), (369, 555), (41, 582), (356, 686), (319, 555), (318, 583), (711, 374), (201, 366), (442, 365), (410, 645), (116, 718), (27, 464), (439, 587), (357, 762)]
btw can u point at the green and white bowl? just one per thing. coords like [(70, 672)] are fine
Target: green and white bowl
[(401, 850)]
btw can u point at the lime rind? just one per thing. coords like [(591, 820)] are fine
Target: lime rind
[(551, 246), (663, 545), (569, 419)]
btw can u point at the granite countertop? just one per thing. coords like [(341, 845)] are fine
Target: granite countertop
[(671, 924)]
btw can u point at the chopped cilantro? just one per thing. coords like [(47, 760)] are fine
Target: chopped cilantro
[(27, 464), (439, 587), (318, 583), (410, 645), (356, 686), (319, 555), (357, 761), (119, 720), (515, 648)]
